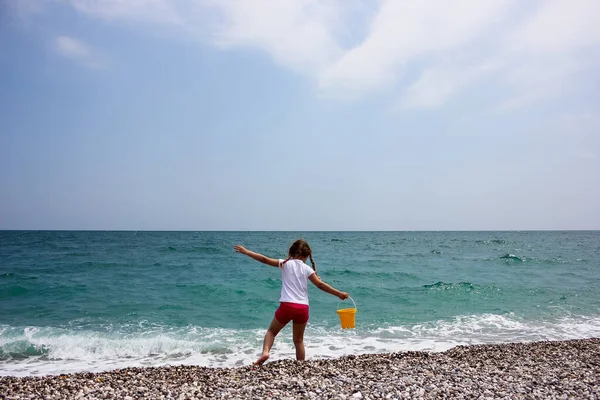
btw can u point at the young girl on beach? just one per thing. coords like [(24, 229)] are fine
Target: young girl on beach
[(295, 274)]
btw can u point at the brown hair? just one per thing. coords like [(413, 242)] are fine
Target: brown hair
[(300, 248)]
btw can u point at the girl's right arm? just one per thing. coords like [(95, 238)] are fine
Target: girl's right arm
[(257, 256), (314, 278)]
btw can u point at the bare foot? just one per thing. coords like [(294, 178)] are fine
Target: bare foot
[(261, 360)]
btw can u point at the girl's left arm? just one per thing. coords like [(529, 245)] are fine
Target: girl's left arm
[(257, 256)]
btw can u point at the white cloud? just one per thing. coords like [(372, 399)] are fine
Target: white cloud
[(559, 26), (435, 86), (426, 52), (71, 47), (405, 32), (296, 33), (550, 52), (530, 50), (432, 89), (78, 51)]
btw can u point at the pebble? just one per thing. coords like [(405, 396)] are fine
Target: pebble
[(540, 370)]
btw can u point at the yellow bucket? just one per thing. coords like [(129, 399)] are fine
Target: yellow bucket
[(347, 316)]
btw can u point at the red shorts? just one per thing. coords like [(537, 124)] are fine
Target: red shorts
[(292, 312)]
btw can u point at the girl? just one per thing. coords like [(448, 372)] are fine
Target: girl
[(294, 294)]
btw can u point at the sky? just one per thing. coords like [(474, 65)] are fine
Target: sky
[(300, 115)]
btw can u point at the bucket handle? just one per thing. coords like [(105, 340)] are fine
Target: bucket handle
[(338, 306)]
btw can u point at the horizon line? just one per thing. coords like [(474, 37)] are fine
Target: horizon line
[(298, 230)]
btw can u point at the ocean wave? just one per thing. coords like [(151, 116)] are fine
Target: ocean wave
[(449, 293), (512, 257), (549, 261), (48, 350), (450, 286), (493, 241)]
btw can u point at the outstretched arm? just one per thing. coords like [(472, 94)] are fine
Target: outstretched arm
[(257, 256), (314, 278)]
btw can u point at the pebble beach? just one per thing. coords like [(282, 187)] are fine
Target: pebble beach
[(538, 370)]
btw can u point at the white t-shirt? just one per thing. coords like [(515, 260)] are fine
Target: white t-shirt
[(294, 279)]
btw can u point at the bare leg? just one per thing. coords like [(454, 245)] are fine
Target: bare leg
[(299, 340), (273, 330)]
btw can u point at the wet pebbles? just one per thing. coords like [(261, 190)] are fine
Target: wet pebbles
[(541, 370)]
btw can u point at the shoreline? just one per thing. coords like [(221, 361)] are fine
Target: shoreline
[(546, 369)]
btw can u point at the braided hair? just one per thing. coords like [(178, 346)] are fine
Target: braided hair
[(301, 249)]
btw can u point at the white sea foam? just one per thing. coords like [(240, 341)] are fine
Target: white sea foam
[(57, 351)]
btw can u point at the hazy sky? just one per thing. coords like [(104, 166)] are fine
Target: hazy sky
[(299, 114)]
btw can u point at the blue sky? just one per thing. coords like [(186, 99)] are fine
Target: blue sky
[(299, 115)]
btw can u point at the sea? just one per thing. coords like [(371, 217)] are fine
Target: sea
[(75, 301)]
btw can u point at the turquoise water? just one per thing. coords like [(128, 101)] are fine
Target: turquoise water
[(73, 301)]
